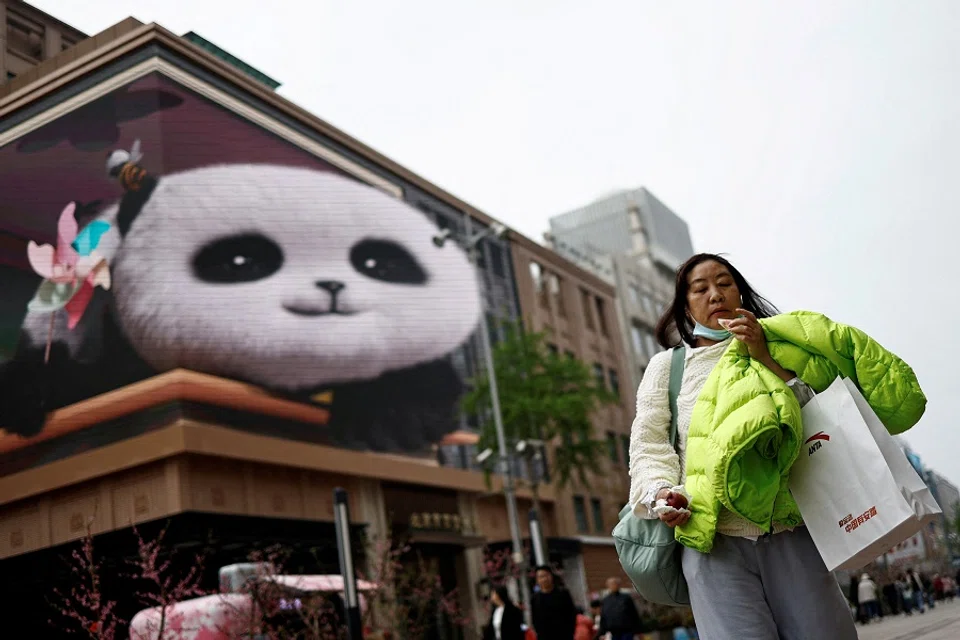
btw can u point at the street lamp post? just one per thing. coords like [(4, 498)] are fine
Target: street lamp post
[(472, 245), (531, 451)]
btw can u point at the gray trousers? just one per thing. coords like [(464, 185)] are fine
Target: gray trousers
[(776, 588)]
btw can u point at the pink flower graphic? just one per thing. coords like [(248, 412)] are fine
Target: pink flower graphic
[(69, 277)]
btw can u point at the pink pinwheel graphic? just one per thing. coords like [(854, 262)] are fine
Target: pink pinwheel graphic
[(69, 277)]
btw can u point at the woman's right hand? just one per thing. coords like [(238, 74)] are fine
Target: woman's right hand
[(678, 501)]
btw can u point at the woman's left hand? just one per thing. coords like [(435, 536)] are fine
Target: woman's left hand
[(747, 330)]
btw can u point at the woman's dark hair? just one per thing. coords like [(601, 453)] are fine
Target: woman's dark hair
[(504, 595), (674, 319)]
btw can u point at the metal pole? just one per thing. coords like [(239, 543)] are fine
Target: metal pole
[(536, 536), (508, 490), (341, 515)]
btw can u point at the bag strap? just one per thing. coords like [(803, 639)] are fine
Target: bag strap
[(676, 377)]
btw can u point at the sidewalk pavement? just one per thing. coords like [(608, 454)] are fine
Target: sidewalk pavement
[(941, 623)]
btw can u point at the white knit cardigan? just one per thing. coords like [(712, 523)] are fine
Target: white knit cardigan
[(654, 464)]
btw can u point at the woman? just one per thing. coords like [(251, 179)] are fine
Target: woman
[(506, 620), (745, 582)]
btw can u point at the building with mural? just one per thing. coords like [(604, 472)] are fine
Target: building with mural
[(217, 308)]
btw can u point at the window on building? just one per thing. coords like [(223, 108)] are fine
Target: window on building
[(587, 311), (540, 284), (634, 294), (649, 305), (24, 36), (496, 261), (482, 256), (625, 443), (493, 329), (614, 381), (536, 275), (597, 508), (570, 354), (602, 317), (612, 449), (636, 333), (651, 342), (556, 290), (598, 374), (11, 75), (580, 513), (552, 348)]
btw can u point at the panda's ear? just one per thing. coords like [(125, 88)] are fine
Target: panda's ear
[(133, 201)]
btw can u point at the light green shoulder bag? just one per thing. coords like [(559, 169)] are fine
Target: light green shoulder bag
[(648, 549)]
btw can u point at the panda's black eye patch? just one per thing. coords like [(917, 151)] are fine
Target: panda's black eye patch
[(386, 261), (235, 259)]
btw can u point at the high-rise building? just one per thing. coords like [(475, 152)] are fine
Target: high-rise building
[(635, 242)]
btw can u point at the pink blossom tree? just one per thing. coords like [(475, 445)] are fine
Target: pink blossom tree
[(410, 596), (163, 588), (83, 607)]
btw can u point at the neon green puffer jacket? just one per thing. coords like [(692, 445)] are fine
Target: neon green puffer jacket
[(746, 429)]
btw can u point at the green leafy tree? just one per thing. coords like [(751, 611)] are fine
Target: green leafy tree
[(543, 396)]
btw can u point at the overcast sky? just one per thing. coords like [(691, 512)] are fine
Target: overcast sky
[(817, 142)]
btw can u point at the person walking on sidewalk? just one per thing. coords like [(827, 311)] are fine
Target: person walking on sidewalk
[(746, 582), (891, 594), (868, 597), (618, 613), (506, 620), (916, 598), (552, 609)]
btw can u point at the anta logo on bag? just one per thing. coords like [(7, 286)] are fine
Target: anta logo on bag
[(817, 439)]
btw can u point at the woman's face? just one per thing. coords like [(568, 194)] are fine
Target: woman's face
[(712, 294), (495, 599)]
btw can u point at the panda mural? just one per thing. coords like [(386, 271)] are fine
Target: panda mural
[(296, 280)]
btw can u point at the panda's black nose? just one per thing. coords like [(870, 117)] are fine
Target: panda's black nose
[(332, 286)]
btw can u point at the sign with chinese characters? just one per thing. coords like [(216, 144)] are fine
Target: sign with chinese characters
[(442, 522)]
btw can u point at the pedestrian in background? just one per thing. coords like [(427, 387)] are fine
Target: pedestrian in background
[(916, 589), (506, 619), (553, 612), (618, 613), (586, 627), (854, 597), (868, 596), (891, 594)]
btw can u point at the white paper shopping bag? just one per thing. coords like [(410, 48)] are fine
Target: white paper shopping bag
[(858, 494), (912, 486)]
